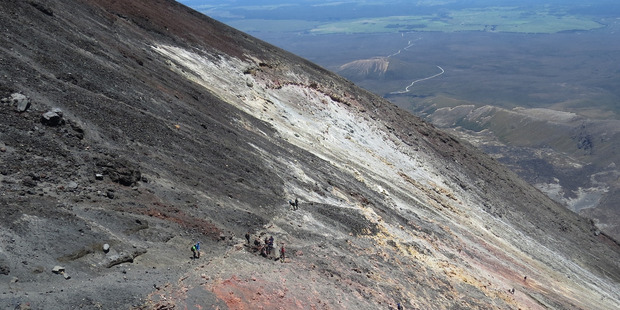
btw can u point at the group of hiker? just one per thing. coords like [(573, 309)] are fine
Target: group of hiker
[(294, 204), (265, 248)]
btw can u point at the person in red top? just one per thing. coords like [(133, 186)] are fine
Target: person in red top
[(282, 253)]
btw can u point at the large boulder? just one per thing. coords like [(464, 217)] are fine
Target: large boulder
[(19, 101), (52, 118)]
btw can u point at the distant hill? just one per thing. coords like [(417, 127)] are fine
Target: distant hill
[(374, 68), (383, 68)]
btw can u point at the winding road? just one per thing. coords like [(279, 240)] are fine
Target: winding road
[(410, 44), (419, 80)]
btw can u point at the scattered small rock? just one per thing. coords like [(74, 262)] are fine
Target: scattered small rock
[(79, 131), (106, 248), (72, 185), (23, 306), (42, 8), (5, 270), (29, 182), (58, 269), (99, 176), (57, 111)]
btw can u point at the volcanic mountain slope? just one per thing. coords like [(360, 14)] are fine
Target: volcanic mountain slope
[(145, 126)]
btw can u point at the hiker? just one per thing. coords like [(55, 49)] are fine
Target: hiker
[(196, 250), (270, 245), (256, 246), (398, 306), (282, 253), (247, 237), (294, 204)]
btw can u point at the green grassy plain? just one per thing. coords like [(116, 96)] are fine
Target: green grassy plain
[(273, 25), (493, 19)]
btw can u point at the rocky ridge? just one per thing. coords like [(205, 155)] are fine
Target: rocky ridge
[(169, 128), (573, 162)]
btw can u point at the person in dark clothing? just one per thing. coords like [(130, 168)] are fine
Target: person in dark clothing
[(282, 256), (294, 204), (257, 245), (270, 245), (247, 237), (399, 306)]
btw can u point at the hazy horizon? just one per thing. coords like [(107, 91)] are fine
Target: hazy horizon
[(311, 10)]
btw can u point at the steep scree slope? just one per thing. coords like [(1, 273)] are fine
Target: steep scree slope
[(148, 127)]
